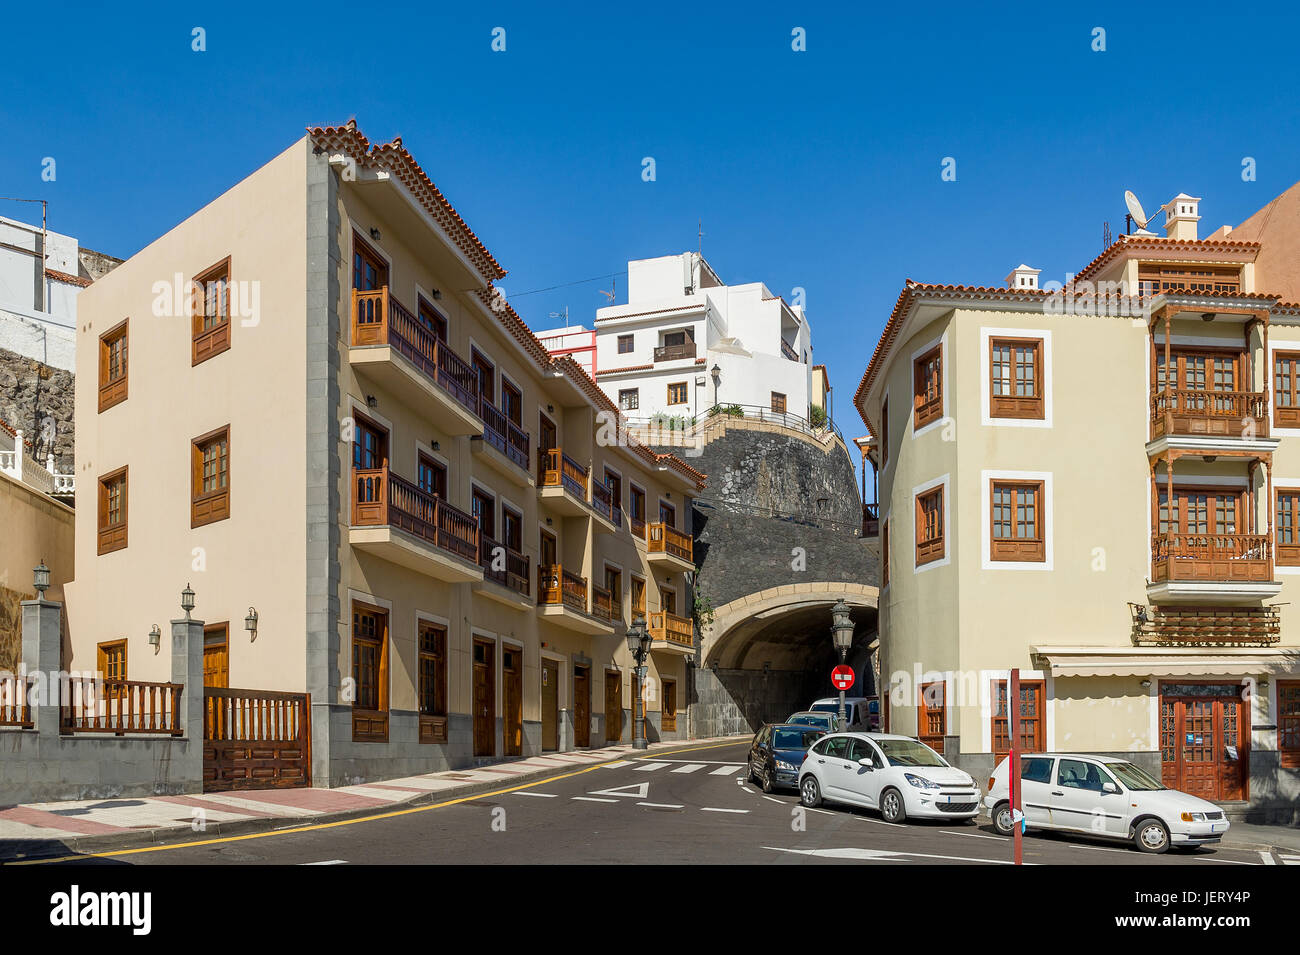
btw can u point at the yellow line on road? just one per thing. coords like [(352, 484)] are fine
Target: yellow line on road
[(350, 822)]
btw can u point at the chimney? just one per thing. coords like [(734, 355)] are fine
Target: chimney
[(1022, 277), (1181, 217)]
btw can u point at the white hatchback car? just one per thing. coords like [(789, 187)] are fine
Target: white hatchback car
[(898, 775), (1103, 796)]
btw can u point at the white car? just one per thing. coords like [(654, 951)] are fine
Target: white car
[(1103, 796), (898, 775)]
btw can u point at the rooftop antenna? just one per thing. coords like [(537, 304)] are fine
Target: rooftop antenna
[(1135, 214), (613, 294), (1106, 237), (699, 228), (564, 315)]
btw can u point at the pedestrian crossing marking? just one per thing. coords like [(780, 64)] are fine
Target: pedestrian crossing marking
[(650, 767), (689, 768), (725, 770), (617, 763)]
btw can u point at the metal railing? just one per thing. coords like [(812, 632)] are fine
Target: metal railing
[(503, 434)]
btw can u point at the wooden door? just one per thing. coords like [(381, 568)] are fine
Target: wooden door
[(369, 445), (512, 701), (550, 705), (668, 713), (581, 706), (484, 699), (487, 379), (216, 655), (668, 600), (546, 434), (932, 716), (613, 705), (547, 549), (1203, 743), (369, 270)]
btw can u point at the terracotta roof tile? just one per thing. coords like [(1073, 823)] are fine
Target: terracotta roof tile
[(615, 371), (69, 279), (694, 306), (1157, 244)]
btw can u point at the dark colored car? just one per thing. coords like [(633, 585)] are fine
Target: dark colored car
[(778, 751)]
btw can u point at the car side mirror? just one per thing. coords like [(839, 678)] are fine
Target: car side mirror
[(865, 762), (1109, 788)]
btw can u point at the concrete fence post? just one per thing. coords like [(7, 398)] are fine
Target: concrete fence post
[(42, 656), (187, 669)]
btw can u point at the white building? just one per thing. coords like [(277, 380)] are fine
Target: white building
[(41, 273), (686, 341)]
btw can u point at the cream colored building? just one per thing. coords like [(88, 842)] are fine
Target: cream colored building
[(1027, 440), (348, 432)]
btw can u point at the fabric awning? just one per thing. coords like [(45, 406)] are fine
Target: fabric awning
[(1167, 661)]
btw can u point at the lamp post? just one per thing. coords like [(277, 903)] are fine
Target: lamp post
[(638, 644), (187, 601), (842, 634), (40, 577), (716, 372)]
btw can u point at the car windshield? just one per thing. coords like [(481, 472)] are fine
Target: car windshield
[(809, 719), (794, 739), (825, 707), (908, 752), (1133, 777)]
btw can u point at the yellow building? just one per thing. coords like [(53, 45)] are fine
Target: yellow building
[(314, 408), (1051, 500)]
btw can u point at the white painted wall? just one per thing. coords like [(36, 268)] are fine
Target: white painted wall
[(38, 315)]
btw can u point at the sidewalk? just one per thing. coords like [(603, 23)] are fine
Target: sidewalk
[(36, 830)]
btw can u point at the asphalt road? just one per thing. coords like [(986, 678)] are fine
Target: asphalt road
[(684, 806)]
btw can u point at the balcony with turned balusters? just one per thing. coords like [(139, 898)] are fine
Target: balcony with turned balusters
[(563, 483), (390, 345), (669, 548), (671, 633), (568, 600), (504, 445), (507, 575)]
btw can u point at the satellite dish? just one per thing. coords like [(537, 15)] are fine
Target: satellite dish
[(1135, 209)]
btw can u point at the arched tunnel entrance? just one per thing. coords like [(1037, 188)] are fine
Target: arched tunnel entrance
[(770, 653)]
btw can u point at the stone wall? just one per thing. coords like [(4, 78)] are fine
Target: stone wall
[(38, 399)]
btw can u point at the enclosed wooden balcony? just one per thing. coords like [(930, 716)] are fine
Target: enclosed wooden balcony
[(504, 445), (389, 344), (507, 574), (395, 520), (1199, 566), (1198, 626), (563, 598), (1219, 414), (671, 632), (562, 482), (674, 352), (669, 546)]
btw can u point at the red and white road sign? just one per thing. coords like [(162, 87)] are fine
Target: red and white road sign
[(842, 676)]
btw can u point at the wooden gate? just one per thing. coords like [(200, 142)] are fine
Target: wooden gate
[(255, 739)]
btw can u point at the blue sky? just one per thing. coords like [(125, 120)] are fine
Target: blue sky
[(818, 169)]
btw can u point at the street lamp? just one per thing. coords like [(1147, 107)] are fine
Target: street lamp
[(638, 644), (40, 578), (716, 372), (187, 601), (842, 634)]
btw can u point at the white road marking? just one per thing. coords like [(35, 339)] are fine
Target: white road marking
[(882, 855), (1288, 859), (727, 770), (650, 767), (635, 790), (710, 809), (689, 768), (827, 812), (1268, 858), (879, 822), (704, 762), (617, 763), (527, 792), (774, 799), (746, 788), (328, 862), (1075, 845), (660, 805), (973, 835), (592, 799)]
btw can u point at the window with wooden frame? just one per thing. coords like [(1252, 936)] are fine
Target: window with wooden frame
[(547, 548), (1288, 723), (433, 320), (614, 584), (1201, 510), (369, 673), (677, 393), (369, 269), (1016, 517), (210, 312), (210, 477), (668, 706), (778, 403), (431, 476), (927, 388), (1286, 527), (1286, 389), (615, 484), (112, 511), (1016, 378), (1156, 278), (483, 506), (512, 402), (638, 595), (667, 514), (629, 399), (625, 344), (110, 659), (1031, 717), (929, 526), (487, 381), (1195, 371), (932, 715), (113, 366), (512, 528), (216, 655), (667, 599), (884, 553), (432, 665)]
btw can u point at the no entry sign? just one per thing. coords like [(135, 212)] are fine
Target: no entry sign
[(842, 676)]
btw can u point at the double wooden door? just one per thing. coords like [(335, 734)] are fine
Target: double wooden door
[(581, 706), (484, 699), (1204, 740)]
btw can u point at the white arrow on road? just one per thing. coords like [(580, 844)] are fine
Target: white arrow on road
[(880, 855), (636, 791)]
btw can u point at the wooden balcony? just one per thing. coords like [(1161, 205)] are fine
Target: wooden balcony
[(562, 483), (602, 603), (602, 505), (674, 352), (667, 545), (672, 633), (390, 345), (507, 575), (1198, 566), (562, 598), (1198, 626), (504, 445), (1220, 414), (121, 707), (870, 520), (395, 520), (787, 351), (637, 526)]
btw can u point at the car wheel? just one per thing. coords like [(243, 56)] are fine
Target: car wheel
[(767, 781), (891, 806), (1002, 819), (810, 794), (1152, 835)]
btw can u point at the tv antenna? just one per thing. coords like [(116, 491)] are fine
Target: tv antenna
[(612, 294), (564, 315), (1135, 214)]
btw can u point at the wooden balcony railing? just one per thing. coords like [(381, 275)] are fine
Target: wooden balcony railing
[(669, 540), (14, 707), (672, 629), (616, 513), (557, 469), (870, 520), (555, 585), (1206, 625), (674, 352), (602, 501), (380, 319), (1214, 413), (503, 434), (1211, 557), (637, 526), (787, 351), (121, 707), (380, 498), (507, 567), (602, 603)]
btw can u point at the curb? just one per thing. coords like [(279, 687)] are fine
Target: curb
[(35, 850)]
